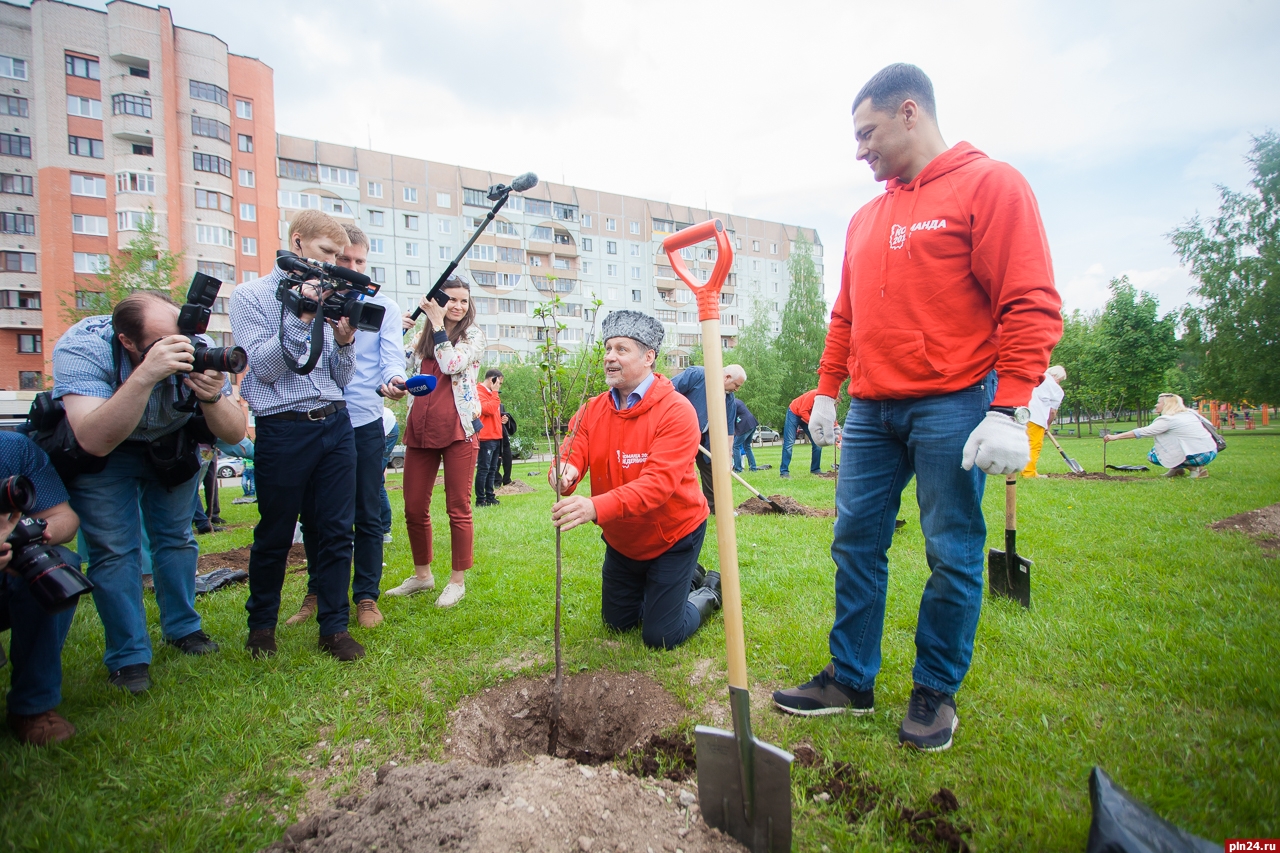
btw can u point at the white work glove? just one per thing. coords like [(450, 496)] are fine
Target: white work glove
[(998, 446), (822, 421)]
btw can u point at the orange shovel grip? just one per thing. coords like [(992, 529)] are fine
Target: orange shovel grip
[(706, 292)]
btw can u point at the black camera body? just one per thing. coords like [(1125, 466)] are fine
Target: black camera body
[(54, 582), (193, 319), (342, 292)]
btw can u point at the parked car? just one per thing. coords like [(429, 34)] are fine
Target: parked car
[(230, 466), (766, 434), (397, 458)]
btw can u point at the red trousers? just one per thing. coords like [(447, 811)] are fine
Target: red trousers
[(420, 467)]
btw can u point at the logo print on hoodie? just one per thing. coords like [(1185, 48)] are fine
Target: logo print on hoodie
[(629, 459), (897, 236)]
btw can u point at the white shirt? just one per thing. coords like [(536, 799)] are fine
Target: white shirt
[(388, 421), (1177, 437), (379, 359), (1047, 397)]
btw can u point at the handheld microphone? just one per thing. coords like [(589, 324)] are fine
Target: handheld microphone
[(419, 386)]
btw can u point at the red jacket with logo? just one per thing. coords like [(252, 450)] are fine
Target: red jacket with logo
[(802, 406), (945, 278), (643, 481), (490, 413)]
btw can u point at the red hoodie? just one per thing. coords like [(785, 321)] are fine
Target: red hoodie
[(802, 406), (490, 413), (945, 278), (643, 481)]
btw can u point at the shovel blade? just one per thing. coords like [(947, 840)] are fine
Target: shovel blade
[(720, 794), (1009, 578), (1076, 467)]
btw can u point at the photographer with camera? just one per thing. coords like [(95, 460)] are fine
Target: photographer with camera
[(129, 383), (31, 488), (379, 371), (304, 452)]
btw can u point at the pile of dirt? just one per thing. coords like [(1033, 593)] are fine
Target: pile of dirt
[(755, 506), (1119, 478), (515, 487), (239, 559), (604, 715), (544, 805), (1261, 525), (828, 475)]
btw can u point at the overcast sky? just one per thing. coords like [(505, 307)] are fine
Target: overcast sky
[(1123, 116)]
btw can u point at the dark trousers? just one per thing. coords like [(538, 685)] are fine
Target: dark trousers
[(212, 507), (653, 593), (505, 476), (487, 469), (704, 474), (392, 439), (299, 462), (366, 579)]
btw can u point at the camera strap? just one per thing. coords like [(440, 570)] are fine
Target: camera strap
[(317, 344)]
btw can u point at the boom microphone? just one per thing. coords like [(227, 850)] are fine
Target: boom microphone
[(524, 182)]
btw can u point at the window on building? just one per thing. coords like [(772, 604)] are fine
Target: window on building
[(211, 163), (481, 252), (444, 200), (18, 261), (586, 244), (634, 227), (635, 250), (248, 275), (444, 226), (144, 150), (208, 92), (133, 220), (244, 142), (248, 245), (29, 343), (537, 207), (299, 201), (610, 224), (93, 186), (566, 212), (17, 185), (586, 220), (373, 189), (246, 178), (335, 206), (610, 247), (445, 253), (377, 245), (84, 107), (412, 277), (635, 296), (130, 105), (142, 183), (755, 245), (773, 248), (143, 71), (410, 222), (244, 109), (25, 223), (635, 273), (560, 263), (611, 270), (378, 274), (16, 146), (86, 262), (542, 233), (410, 194), (376, 218), (342, 177), (211, 128), (510, 255), (14, 69), (30, 380), (81, 66), (83, 146), (588, 267), (215, 235), (210, 200), (11, 106), (411, 250), (219, 270), (248, 212), (299, 171), (475, 198)]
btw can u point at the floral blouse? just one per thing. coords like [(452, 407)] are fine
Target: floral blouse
[(461, 362)]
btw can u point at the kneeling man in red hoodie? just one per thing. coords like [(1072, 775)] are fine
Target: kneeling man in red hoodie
[(638, 439), (943, 326)]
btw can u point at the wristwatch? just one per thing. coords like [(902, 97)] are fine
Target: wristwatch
[(1020, 415)]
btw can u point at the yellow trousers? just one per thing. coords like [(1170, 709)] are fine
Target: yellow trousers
[(1035, 434)]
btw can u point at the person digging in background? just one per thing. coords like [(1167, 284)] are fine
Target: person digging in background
[(798, 414), (692, 385), (1045, 401), (638, 439), (1183, 442), (946, 283)]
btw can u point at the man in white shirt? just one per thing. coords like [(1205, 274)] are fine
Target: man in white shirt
[(1044, 404)]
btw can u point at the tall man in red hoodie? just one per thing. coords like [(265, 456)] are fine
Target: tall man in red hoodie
[(947, 286), (638, 440)]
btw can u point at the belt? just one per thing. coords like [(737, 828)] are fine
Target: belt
[(319, 413)]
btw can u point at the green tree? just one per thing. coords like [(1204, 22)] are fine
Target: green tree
[(1134, 348), (1077, 352), (142, 265), (803, 336), (755, 353), (1235, 256)]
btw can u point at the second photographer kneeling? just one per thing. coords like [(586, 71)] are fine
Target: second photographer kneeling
[(122, 379)]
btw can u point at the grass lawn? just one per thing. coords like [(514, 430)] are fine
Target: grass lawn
[(1151, 650)]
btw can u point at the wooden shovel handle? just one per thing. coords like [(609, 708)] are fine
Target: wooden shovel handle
[(1011, 503)]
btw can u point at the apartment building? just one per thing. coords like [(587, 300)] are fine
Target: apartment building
[(556, 240), (107, 120)]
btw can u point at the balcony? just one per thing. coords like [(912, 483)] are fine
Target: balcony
[(132, 128), (21, 318)]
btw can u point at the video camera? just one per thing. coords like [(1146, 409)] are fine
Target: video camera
[(55, 583), (193, 319), (342, 291)]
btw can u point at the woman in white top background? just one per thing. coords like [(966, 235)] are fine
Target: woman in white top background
[(1183, 442)]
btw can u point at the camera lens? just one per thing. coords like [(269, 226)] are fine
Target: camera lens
[(223, 359), (17, 494), (54, 583)]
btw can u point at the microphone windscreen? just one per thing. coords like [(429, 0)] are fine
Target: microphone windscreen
[(524, 183), (347, 275), (420, 385)]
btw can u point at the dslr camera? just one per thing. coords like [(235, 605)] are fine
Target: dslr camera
[(54, 579), (193, 319), (342, 291)]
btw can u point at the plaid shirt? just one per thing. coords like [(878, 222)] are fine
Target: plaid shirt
[(84, 364), (269, 386)]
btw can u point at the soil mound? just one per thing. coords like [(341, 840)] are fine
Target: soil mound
[(755, 506), (544, 805), (828, 475), (239, 559), (603, 715), (515, 487), (1261, 525)]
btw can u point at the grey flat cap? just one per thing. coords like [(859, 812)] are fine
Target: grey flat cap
[(638, 326)]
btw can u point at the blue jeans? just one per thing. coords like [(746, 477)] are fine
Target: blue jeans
[(885, 444), (742, 444), (792, 426), (311, 465), (393, 438), (246, 481), (653, 592), (108, 503), (487, 469), (366, 578), (35, 649), (198, 516)]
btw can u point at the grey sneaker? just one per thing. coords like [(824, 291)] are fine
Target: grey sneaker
[(824, 695), (930, 722)]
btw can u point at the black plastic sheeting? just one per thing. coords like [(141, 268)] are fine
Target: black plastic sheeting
[(1121, 824), (218, 578)]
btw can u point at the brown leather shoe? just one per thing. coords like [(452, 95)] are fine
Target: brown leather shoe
[(305, 612), (261, 643), (341, 646), (367, 613), (41, 729)]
